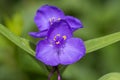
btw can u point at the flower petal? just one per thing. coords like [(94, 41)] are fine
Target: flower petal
[(46, 53), (40, 34), (60, 28), (73, 51), (74, 22), (46, 15)]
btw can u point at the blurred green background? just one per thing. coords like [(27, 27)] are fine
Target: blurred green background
[(99, 17)]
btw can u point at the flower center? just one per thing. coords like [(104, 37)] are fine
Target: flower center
[(53, 19), (59, 39)]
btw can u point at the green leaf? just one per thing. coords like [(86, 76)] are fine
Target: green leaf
[(111, 76), (98, 43), (21, 42)]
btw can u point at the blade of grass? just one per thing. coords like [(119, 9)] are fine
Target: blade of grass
[(21, 42), (98, 43)]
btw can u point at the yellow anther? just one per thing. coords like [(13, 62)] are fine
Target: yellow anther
[(55, 37), (59, 19), (64, 37), (58, 42)]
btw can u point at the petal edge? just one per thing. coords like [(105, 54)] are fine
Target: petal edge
[(46, 53), (73, 51), (74, 22)]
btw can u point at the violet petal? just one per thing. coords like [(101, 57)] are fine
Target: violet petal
[(74, 22), (46, 15), (73, 50), (46, 53), (60, 28), (40, 34)]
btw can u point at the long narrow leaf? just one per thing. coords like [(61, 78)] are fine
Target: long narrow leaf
[(111, 76), (21, 42), (98, 43)]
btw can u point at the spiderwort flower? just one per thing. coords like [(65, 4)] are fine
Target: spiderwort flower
[(59, 46), (47, 15)]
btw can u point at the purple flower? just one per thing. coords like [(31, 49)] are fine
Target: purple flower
[(59, 46), (47, 15)]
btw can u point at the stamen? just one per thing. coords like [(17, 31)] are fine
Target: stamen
[(51, 20), (55, 37), (64, 37), (58, 42), (59, 19)]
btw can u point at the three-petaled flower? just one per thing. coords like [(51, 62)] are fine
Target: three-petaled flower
[(59, 46), (47, 15)]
